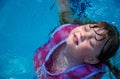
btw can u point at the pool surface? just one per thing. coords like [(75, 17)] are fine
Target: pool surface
[(25, 25)]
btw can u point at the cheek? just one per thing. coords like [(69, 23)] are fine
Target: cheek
[(82, 50)]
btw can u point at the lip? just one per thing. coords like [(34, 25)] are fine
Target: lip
[(75, 39)]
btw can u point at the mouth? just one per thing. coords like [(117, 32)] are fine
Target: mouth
[(75, 39)]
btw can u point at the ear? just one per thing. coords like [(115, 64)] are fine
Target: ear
[(91, 60)]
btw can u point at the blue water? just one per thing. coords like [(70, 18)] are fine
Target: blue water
[(26, 24)]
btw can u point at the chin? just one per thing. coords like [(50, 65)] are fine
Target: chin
[(69, 42)]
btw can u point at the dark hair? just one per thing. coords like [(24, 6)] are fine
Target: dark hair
[(110, 47), (112, 44)]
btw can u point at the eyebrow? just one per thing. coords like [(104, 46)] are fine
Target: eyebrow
[(99, 34)]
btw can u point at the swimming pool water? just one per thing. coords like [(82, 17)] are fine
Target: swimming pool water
[(26, 24)]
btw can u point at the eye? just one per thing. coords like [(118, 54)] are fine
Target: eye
[(92, 43), (99, 38)]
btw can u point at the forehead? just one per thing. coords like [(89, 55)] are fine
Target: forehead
[(99, 30), (100, 38)]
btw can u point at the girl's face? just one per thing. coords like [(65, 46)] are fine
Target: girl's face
[(84, 43)]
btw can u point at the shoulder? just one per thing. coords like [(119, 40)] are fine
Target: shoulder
[(64, 27)]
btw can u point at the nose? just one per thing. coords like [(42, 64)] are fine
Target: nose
[(86, 35)]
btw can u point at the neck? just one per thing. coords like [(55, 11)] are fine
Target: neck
[(68, 60)]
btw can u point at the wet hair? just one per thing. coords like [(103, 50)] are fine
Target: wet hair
[(110, 47)]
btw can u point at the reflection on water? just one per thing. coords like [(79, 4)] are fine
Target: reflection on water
[(12, 66)]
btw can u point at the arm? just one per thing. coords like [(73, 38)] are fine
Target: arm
[(64, 11), (66, 15)]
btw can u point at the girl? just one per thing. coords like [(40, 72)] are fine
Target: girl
[(77, 51)]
